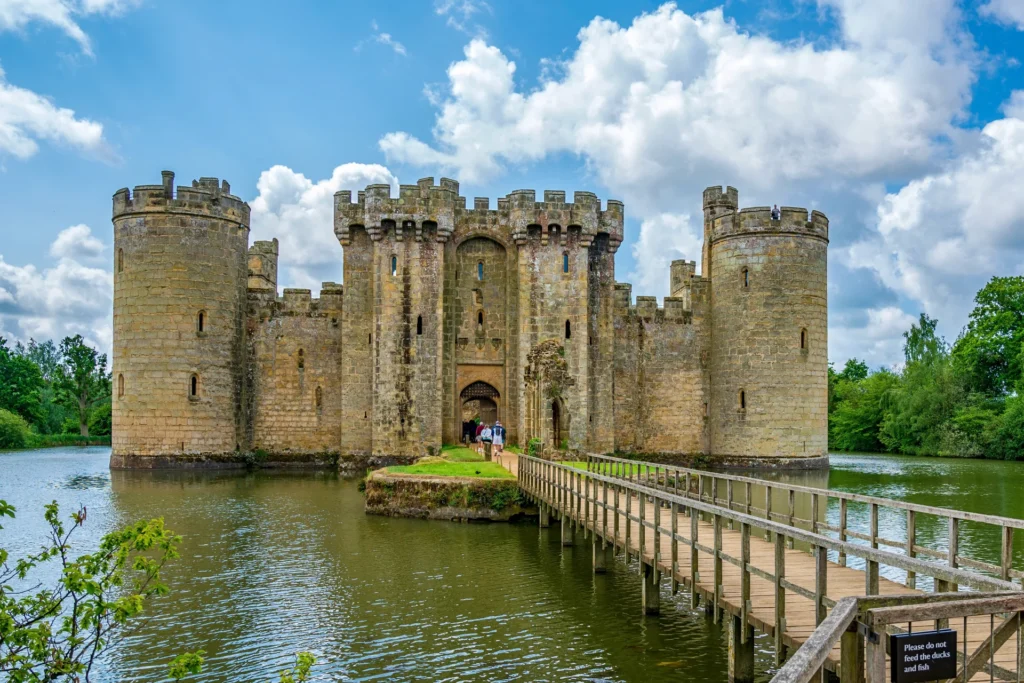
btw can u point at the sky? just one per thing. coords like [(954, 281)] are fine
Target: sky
[(901, 121)]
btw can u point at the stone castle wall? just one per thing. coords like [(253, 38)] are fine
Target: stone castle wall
[(179, 301), (513, 311)]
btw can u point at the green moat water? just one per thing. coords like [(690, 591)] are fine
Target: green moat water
[(274, 563)]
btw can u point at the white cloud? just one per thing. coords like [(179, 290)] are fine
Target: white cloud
[(459, 15), (1005, 11), (664, 238), (875, 336), (77, 242), (943, 235), (651, 104), (15, 15), (65, 299), (382, 38), (26, 118), (674, 102), (300, 213)]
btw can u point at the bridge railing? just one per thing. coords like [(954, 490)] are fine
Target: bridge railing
[(861, 626), (778, 501), (601, 499)]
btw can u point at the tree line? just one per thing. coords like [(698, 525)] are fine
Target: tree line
[(53, 393), (964, 399)]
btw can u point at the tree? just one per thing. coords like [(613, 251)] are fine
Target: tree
[(55, 633), (921, 344), (926, 397), (46, 356), (82, 380), (21, 384), (855, 422), (854, 370), (989, 351)]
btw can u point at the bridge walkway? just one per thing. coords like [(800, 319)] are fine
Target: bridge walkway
[(775, 578)]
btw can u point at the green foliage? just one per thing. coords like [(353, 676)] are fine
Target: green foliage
[(82, 381), (100, 420), (942, 402), (21, 384), (988, 354), (14, 431), (54, 633), (857, 413), (534, 447), (254, 460), (186, 664), (304, 662)]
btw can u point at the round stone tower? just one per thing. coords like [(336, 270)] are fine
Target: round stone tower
[(769, 332), (180, 275)]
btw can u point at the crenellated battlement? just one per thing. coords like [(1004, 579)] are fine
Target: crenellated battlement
[(727, 198), (205, 197), (301, 302), (428, 211), (674, 309), (758, 220)]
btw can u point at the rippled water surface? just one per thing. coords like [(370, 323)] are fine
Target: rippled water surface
[(274, 563)]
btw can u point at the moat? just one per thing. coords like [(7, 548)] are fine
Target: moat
[(275, 563)]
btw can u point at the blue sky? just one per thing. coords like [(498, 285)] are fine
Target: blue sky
[(904, 122)]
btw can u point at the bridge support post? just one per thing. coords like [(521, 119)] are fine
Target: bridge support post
[(851, 658), (566, 531), (741, 651), (545, 516), (600, 555), (650, 594), (487, 451)]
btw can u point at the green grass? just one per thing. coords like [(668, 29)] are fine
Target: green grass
[(460, 454), (485, 470)]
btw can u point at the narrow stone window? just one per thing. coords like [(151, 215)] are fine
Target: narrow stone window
[(568, 330), (479, 317), (480, 271), (120, 386), (369, 339), (419, 324), (319, 398), (746, 277), (394, 266), (743, 399), (193, 387), (120, 260), (201, 322), (707, 412), (803, 339), (565, 262), (302, 360)]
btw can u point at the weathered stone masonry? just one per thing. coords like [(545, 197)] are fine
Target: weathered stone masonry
[(515, 308)]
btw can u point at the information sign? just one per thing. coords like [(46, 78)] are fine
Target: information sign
[(922, 656)]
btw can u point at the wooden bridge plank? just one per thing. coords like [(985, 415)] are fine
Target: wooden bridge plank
[(801, 570)]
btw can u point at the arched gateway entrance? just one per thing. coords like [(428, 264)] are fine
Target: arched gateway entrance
[(480, 402)]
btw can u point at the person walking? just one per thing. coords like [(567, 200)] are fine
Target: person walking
[(486, 439), (476, 437), (498, 439)]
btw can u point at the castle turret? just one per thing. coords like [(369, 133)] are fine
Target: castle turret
[(180, 277), (717, 202), (769, 330)]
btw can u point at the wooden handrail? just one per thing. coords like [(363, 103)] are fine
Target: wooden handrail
[(952, 575), (995, 520)]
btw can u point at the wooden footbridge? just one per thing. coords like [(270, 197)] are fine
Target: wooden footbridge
[(765, 556)]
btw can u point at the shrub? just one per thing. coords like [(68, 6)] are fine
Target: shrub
[(534, 447), (14, 431)]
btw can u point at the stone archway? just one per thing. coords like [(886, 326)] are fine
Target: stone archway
[(481, 401)]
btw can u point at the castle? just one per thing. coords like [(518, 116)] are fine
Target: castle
[(511, 312)]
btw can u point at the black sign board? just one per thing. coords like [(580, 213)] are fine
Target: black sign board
[(923, 656)]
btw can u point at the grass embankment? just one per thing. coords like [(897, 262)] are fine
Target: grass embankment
[(455, 461), (483, 470)]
